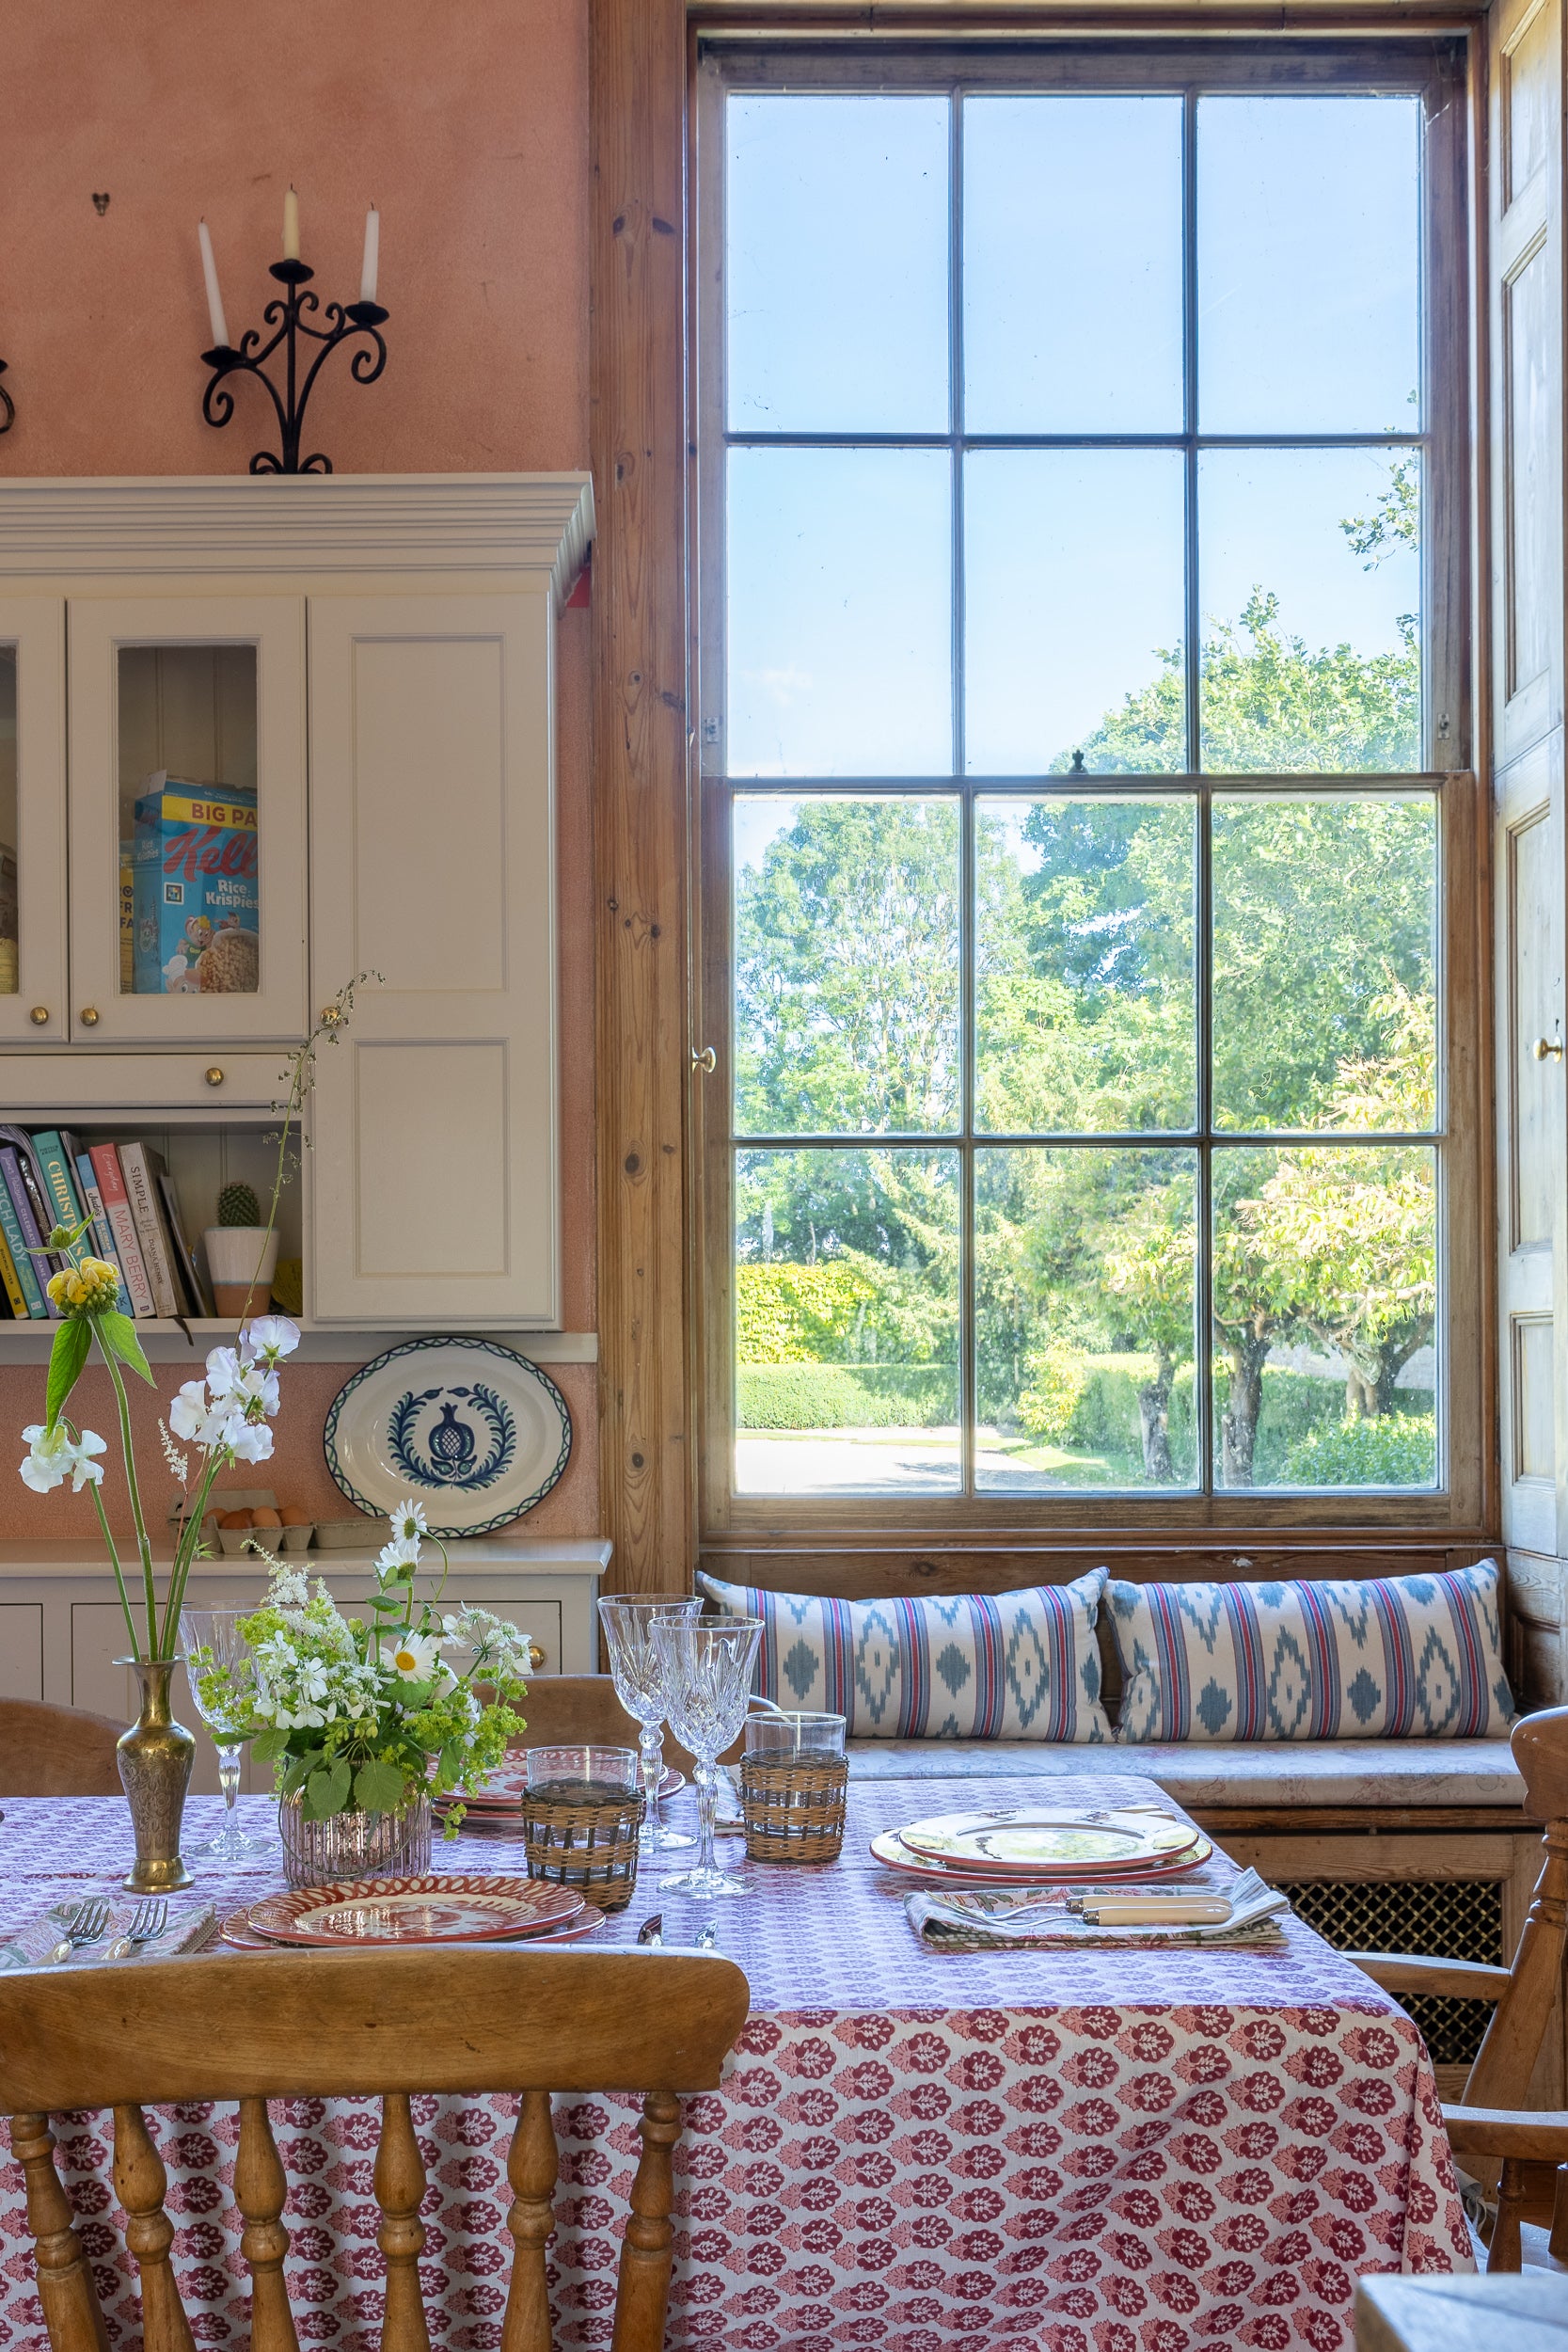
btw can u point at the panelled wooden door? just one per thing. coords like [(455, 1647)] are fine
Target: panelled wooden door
[(1527, 305), (434, 1172), (34, 1007), (212, 691)]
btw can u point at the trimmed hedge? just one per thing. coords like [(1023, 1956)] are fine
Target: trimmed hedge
[(845, 1396)]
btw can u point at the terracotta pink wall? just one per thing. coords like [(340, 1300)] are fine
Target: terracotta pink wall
[(466, 124)]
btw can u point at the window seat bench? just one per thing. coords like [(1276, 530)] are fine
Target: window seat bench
[(1385, 1845)]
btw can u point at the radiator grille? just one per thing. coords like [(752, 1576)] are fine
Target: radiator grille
[(1445, 1920)]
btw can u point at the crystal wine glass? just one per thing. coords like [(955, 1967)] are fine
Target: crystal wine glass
[(213, 1646), (708, 1673), (639, 1677)]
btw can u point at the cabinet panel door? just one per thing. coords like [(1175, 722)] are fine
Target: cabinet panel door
[(21, 1649), (187, 818), (32, 820), (434, 1177)]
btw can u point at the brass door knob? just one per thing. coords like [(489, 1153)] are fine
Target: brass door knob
[(214, 1076), (1547, 1049), (89, 1016), (38, 1015)]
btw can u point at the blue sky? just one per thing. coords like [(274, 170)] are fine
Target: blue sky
[(839, 568)]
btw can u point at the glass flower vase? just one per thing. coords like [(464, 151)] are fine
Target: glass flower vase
[(354, 1845)]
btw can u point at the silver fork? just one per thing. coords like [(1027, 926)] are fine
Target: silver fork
[(85, 1924), (149, 1919)]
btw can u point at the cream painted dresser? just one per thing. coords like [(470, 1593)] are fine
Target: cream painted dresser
[(61, 1629)]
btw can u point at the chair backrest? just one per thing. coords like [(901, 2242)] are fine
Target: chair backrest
[(1500, 2077), (570, 1711), (324, 2025), (56, 1751)]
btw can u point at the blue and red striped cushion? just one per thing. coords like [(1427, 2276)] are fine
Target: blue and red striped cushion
[(977, 1666), (1410, 1657)]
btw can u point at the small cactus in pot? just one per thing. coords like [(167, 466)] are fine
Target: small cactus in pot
[(242, 1253)]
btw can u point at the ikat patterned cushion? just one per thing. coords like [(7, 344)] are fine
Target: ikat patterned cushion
[(1417, 1657), (978, 1666)]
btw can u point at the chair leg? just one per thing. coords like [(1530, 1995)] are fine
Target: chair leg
[(1504, 2252), (642, 2290), (70, 2300)]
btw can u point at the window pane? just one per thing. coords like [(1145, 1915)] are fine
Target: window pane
[(836, 265), (1310, 576), (1308, 264), (846, 1323), (846, 966), (1072, 265), (1083, 1268), (1083, 965), (1325, 917), (1324, 1316), (840, 618), (1073, 610)]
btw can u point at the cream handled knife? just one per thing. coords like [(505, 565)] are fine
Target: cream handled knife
[(1143, 1911)]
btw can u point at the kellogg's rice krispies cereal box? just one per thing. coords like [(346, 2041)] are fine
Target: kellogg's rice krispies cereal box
[(195, 889)]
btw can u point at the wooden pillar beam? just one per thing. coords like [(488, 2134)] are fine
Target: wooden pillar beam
[(638, 385)]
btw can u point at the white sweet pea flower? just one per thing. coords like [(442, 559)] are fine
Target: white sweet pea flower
[(248, 1441), (415, 1657), (267, 1339), (408, 1524), (247, 1388), (51, 1460)]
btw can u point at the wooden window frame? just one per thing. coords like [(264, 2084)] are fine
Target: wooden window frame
[(659, 992)]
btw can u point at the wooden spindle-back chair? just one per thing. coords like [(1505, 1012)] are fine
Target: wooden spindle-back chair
[(1492, 2126), (569, 1711), (324, 2024), (56, 1751)]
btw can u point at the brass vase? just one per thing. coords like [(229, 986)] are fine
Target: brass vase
[(156, 1759)]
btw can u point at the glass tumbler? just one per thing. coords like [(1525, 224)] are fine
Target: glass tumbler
[(637, 1674), (708, 1665)]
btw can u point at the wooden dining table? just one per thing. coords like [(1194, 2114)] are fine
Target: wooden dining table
[(1088, 2151)]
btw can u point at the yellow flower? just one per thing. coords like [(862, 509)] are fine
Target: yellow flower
[(90, 1288)]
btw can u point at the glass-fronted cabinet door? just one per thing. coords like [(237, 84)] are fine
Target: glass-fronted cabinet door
[(187, 818), (34, 1007)]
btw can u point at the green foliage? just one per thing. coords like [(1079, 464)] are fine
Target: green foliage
[(786, 1314), (836, 1396), (1395, 1450), (1057, 1373), (238, 1206), (72, 1347)]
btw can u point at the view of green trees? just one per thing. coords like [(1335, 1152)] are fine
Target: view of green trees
[(1083, 935)]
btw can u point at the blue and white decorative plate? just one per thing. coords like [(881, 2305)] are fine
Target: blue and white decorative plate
[(475, 1431)]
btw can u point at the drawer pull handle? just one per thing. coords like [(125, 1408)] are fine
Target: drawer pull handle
[(89, 1016), (38, 1015), (214, 1076)]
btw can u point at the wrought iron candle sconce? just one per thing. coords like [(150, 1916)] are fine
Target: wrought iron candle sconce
[(8, 406), (287, 316)]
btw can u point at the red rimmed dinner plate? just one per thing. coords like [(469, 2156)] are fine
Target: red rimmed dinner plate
[(237, 1931), (431, 1909), (891, 1850), (504, 1789), (1042, 1842)]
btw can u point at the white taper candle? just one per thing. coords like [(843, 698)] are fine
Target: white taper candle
[(214, 300), (372, 256), (290, 225)]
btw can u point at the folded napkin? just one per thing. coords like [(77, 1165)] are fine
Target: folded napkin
[(191, 1924), (1034, 1919)]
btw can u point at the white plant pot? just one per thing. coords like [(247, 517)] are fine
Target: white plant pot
[(241, 1263)]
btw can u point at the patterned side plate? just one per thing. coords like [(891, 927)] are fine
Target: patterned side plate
[(474, 1430), (428, 1910), (1033, 1839), (237, 1931), (891, 1850)]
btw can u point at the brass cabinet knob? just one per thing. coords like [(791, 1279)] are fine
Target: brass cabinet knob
[(38, 1015), (89, 1016), (1544, 1049), (331, 1015), (214, 1076)]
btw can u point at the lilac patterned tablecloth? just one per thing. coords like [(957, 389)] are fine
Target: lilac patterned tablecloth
[(1084, 2152)]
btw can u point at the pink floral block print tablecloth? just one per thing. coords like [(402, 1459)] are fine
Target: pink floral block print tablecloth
[(1085, 2152)]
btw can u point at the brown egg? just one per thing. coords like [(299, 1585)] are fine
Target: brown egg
[(295, 1515), (265, 1516), (234, 1518)]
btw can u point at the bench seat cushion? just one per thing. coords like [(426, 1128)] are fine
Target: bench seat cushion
[(1298, 1772)]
